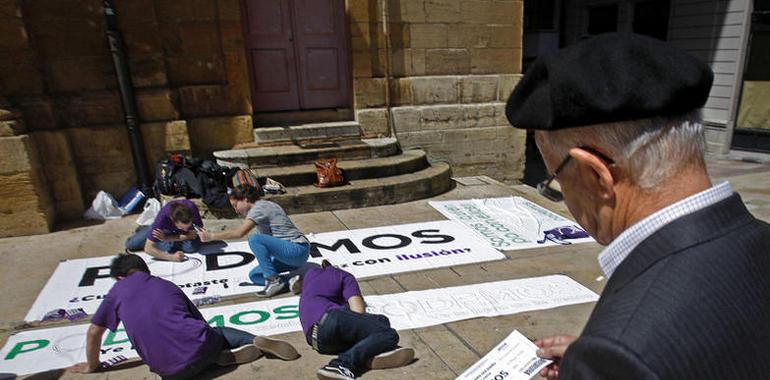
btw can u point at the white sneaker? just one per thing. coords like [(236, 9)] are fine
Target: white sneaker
[(295, 284), (240, 355), (397, 358), (272, 287)]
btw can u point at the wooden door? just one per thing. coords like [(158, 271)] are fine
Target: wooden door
[(297, 54)]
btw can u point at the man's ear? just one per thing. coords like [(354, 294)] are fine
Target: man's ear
[(591, 167)]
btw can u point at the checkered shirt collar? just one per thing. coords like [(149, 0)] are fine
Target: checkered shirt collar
[(611, 257)]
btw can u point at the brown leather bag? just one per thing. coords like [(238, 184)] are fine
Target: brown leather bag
[(328, 173)]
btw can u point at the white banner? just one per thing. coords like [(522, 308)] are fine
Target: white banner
[(46, 349), (513, 359), (513, 222), (221, 268)]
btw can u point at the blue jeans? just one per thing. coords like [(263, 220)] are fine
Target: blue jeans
[(355, 338), (136, 243), (231, 339), (275, 256)]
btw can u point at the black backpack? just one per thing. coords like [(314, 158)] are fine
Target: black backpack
[(176, 176), (213, 180), (164, 178)]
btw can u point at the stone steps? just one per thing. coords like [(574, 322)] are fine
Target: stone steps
[(300, 175), (271, 156), (424, 183), (297, 134)]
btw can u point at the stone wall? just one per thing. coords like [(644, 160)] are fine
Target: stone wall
[(452, 65)]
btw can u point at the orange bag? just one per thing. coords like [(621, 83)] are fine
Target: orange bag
[(328, 173)]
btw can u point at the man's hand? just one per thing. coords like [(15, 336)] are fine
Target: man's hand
[(190, 235), (203, 234), (177, 256), (553, 348), (158, 234), (82, 368)]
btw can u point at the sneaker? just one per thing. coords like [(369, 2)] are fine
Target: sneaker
[(295, 284), (279, 348), (397, 358), (334, 371), (240, 355), (272, 287)]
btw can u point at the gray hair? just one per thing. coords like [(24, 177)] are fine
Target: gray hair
[(648, 150)]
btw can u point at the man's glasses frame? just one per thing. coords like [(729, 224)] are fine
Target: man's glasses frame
[(544, 187)]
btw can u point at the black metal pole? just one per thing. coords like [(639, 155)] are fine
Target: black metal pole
[(126, 89)]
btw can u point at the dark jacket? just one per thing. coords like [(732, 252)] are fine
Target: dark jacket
[(692, 301)]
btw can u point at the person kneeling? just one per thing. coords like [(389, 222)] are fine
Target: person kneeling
[(334, 320), (166, 329)]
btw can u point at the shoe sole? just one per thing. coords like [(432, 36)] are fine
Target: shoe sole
[(329, 375), (240, 355), (263, 294), (396, 358), (296, 286), (282, 350)]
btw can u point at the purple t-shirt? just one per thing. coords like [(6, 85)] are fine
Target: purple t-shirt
[(165, 328), (323, 290), (164, 223)]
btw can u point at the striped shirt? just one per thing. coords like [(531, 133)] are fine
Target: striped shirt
[(611, 257)]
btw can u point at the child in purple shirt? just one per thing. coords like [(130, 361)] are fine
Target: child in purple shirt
[(172, 234), (166, 329), (335, 322)]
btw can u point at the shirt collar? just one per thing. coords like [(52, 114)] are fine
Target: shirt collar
[(611, 257)]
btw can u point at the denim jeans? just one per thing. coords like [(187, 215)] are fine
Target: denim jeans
[(355, 338), (231, 339), (275, 256), (136, 243)]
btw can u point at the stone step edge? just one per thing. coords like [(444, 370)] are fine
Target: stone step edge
[(243, 158), (307, 131), (367, 192), (305, 174)]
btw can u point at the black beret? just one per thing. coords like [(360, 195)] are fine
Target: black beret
[(608, 78)]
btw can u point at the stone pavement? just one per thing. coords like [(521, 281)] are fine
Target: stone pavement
[(443, 351)]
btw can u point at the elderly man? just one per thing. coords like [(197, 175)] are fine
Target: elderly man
[(616, 118)]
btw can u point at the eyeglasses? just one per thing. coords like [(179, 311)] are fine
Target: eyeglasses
[(552, 190)]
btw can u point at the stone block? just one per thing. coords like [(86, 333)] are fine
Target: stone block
[(142, 38), (495, 61), (484, 36), (13, 35), (364, 11), (480, 115), (90, 108), (369, 92), (490, 12), (478, 88), (229, 10), (365, 36), (400, 35), (39, 113), (421, 139), (103, 159), (409, 11), (428, 35), (73, 9), (61, 174), (10, 9), (373, 122), (78, 74), (447, 61), (199, 69), (443, 117), (407, 119), (238, 90), (196, 101), (12, 128), (135, 11), (434, 89), (231, 35), (25, 202), (189, 10), (442, 11), (148, 70), (69, 37), (198, 37), (362, 64), (506, 85), (20, 74), (163, 138), (157, 105), (218, 133)]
